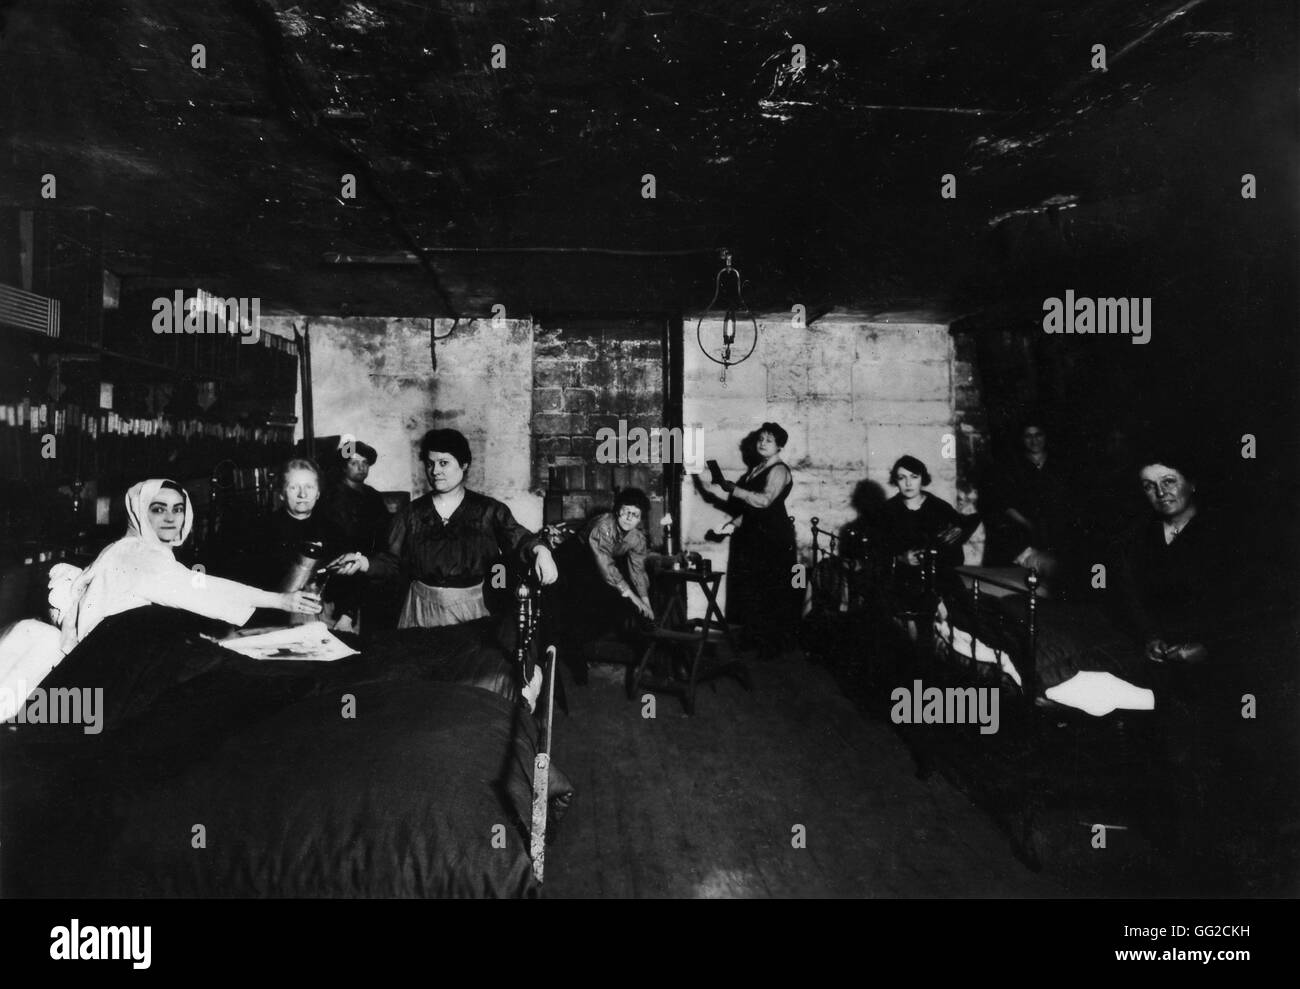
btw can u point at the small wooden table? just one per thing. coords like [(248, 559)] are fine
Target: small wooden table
[(674, 627)]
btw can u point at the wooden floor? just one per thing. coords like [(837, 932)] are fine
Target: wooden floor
[(707, 806)]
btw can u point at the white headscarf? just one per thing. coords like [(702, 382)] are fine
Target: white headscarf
[(112, 583)]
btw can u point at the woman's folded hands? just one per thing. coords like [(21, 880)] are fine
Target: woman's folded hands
[(1159, 651)]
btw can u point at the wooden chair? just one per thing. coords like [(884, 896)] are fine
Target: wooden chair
[(696, 635)]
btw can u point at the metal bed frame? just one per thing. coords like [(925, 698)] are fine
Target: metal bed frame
[(1026, 632), (527, 616), (857, 579)]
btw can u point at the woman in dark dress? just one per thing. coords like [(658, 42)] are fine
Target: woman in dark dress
[(443, 548), (1177, 585), (912, 523), (1173, 578), (760, 595), (445, 543), (296, 534)]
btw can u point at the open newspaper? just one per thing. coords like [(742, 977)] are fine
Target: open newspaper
[(312, 641)]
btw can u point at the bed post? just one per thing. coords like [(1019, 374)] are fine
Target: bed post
[(528, 608), (523, 630), (1032, 666), (542, 774), (816, 548)]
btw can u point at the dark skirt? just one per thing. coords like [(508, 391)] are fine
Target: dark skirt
[(760, 592), (581, 607)]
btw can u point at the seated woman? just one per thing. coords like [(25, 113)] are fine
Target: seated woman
[(445, 542), (759, 593), (296, 523), (912, 523), (1033, 513), (141, 569), (296, 539), (596, 597), (1170, 594), (1172, 577), (968, 505)]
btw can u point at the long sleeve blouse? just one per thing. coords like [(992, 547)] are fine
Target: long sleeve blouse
[(456, 552), (608, 544), (906, 529), (1178, 591)]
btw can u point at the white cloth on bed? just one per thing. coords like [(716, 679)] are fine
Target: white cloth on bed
[(29, 650), (1099, 693), (959, 640), (138, 570), (1094, 692)]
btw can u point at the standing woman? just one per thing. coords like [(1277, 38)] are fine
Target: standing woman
[(759, 592), (445, 543)]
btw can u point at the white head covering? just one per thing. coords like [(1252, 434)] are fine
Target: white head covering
[(138, 500), (111, 584)]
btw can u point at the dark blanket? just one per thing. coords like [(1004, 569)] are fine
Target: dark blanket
[(391, 773), (1071, 637)]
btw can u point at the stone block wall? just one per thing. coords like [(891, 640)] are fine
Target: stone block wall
[(588, 375), (374, 378), (854, 395)]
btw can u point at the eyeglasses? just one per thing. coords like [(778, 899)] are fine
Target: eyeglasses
[(1166, 484), (632, 514)]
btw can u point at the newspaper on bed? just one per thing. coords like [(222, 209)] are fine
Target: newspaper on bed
[(312, 641)]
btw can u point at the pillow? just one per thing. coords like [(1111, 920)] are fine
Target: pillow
[(29, 650)]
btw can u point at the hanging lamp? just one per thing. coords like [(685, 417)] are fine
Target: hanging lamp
[(728, 298)]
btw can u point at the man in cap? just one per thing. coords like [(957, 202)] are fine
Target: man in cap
[(359, 512)]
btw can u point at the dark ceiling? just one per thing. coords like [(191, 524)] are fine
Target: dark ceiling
[(823, 180)]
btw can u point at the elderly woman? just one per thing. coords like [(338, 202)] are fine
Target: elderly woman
[(297, 538), (760, 596), (445, 542), (297, 523), (141, 569), (1172, 571)]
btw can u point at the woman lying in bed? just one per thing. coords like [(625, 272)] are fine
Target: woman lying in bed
[(140, 569), (135, 571)]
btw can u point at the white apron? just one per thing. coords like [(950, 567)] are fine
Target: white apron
[(428, 606)]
